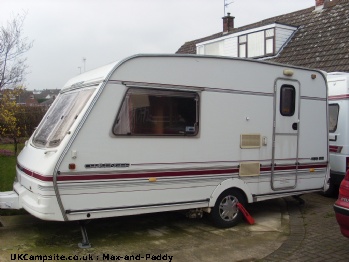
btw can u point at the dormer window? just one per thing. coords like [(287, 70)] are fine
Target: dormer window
[(257, 44), (260, 42)]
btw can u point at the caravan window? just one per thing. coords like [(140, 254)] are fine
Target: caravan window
[(287, 100), (158, 112), (333, 119), (60, 117)]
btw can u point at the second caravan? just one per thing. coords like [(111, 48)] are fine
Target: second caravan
[(158, 133), (338, 92)]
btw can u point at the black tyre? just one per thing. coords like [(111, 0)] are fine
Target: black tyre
[(226, 213)]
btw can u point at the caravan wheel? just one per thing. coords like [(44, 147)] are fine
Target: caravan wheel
[(225, 213)]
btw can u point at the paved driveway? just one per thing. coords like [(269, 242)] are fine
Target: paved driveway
[(314, 233), (284, 231), (161, 237)]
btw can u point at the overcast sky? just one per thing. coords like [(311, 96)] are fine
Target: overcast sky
[(102, 31)]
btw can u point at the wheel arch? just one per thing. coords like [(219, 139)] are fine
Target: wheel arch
[(232, 183)]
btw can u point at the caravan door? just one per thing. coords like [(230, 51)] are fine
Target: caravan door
[(286, 134)]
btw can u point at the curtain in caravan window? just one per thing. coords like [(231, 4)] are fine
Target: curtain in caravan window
[(123, 121), (158, 112)]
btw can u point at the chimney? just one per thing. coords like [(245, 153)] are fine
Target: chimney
[(330, 3), (228, 23), (319, 2), (323, 4)]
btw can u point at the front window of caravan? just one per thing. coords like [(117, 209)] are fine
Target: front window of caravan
[(158, 112), (60, 117)]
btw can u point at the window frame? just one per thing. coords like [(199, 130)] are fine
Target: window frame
[(244, 44), (156, 91), (266, 38)]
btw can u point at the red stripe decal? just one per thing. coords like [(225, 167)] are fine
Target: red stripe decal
[(339, 97), (147, 175), (335, 149), (87, 177), (35, 175)]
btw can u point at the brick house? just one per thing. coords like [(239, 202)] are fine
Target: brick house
[(35, 98), (315, 37)]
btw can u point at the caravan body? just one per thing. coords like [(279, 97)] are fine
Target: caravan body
[(173, 132), (338, 95)]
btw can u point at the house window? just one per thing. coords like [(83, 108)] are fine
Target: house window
[(201, 50), (333, 119), (287, 100), (269, 41), (257, 44), (158, 112), (213, 48), (243, 46)]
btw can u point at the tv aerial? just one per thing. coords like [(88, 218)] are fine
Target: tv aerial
[(226, 4)]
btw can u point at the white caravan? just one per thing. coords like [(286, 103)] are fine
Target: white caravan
[(338, 96), (158, 133)]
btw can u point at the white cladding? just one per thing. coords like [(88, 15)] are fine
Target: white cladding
[(338, 94), (338, 84)]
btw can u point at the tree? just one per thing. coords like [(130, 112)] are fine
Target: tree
[(12, 48), (9, 122)]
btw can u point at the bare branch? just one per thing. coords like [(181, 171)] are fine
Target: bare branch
[(12, 48)]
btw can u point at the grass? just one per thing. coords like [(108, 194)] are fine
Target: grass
[(8, 174), (7, 166), (7, 147)]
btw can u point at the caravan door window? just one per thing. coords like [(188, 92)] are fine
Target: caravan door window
[(287, 100), (333, 119), (158, 112)]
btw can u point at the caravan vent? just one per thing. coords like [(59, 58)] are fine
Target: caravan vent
[(250, 141), (249, 169)]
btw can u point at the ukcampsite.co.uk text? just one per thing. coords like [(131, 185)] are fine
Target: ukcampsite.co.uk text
[(89, 257)]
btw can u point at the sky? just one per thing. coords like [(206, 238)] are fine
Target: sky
[(73, 36)]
